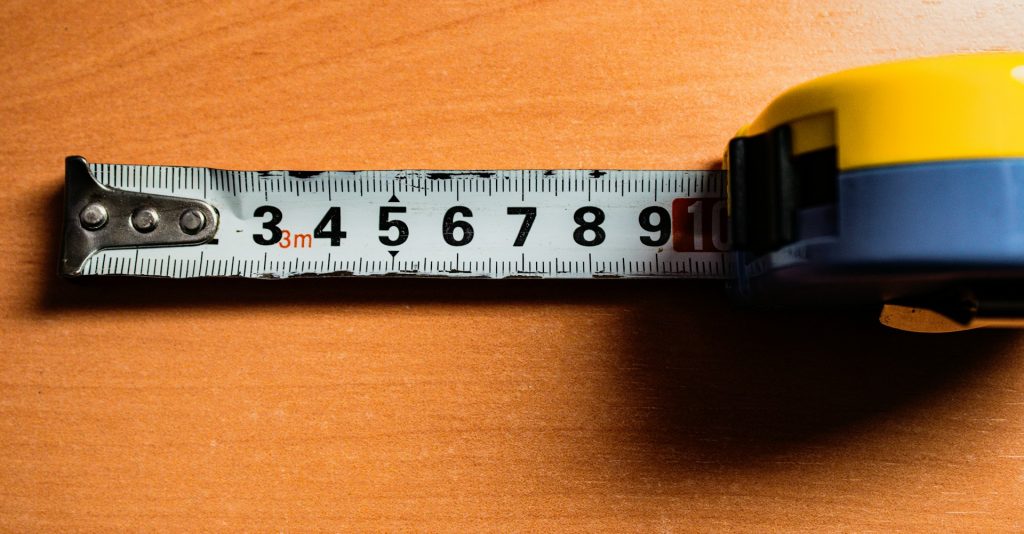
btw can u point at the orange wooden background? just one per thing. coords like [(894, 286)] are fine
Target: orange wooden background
[(434, 405)]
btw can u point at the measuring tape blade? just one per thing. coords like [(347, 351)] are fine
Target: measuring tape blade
[(488, 224)]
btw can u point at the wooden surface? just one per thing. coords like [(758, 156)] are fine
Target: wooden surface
[(392, 405)]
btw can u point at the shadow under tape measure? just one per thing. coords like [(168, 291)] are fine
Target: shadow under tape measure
[(694, 380)]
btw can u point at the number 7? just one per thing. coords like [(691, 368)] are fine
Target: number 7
[(524, 230)]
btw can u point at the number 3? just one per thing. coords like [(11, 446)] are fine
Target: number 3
[(275, 219)]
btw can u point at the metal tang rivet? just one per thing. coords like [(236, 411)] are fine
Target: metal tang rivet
[(93, 216), (192, 221), (145, 220)]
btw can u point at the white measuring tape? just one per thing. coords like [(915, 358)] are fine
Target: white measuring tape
[(492, 224)]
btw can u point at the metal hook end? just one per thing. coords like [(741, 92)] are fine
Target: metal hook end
[(98, 217)]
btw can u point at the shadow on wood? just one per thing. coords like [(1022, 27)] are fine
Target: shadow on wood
[(693, 381)]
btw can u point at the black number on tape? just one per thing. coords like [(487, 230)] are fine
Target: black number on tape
[(593, 225), (330, 227), (275, 219), (663, 226), (449, 225), (524, 230), (386, 224)]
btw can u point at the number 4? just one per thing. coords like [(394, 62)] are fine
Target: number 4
[(330, 227)]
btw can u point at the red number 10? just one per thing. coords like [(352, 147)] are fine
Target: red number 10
[(699, 225)]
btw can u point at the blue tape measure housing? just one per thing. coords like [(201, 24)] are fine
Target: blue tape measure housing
[(899, 231)]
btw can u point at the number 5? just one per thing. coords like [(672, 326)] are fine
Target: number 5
[(387, 224)]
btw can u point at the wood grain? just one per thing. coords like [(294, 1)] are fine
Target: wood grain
[(468, 406)]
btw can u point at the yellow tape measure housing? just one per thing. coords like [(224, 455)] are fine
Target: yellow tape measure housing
[(934, 109)]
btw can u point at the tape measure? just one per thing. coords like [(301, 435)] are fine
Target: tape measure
[(494, 224), (898, 185)]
